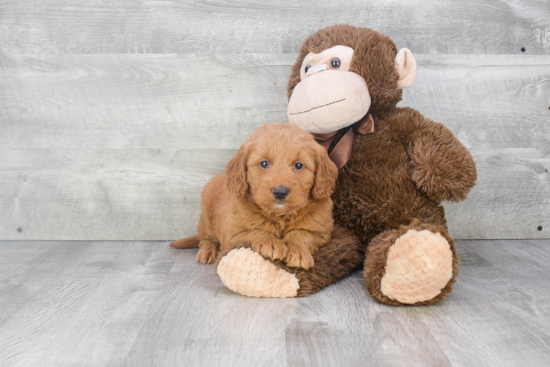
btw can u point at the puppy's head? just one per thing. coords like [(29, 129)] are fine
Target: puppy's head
[(282, 168)]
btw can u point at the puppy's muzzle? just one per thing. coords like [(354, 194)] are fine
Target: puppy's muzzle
[(280, 192)]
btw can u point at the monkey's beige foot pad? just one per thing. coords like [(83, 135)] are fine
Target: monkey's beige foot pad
[(418, 267), (246, 272)]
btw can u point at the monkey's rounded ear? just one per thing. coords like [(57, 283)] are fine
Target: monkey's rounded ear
[(406, 67)]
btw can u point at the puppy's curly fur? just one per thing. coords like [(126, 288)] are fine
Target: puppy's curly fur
[(240, 209)]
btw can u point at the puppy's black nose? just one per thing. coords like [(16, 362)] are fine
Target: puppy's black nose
[(280, 192)]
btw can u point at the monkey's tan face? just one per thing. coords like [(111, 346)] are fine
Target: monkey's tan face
[(329, 96)]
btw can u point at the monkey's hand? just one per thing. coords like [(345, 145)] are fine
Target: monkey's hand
[(441, 166)]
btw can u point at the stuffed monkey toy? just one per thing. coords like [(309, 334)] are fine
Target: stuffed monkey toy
[(396, 167)]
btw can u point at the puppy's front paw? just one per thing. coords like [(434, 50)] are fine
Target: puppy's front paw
[(272, 249), (299, 258), (208, 251)]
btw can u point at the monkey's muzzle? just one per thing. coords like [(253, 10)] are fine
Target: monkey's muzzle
[(328, 101)]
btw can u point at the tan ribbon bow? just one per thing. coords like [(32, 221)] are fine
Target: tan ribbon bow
[(339, 143)]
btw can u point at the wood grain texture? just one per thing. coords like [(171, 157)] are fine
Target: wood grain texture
[(81, 305), (104, 194), (155, 194), (139, 101), (118, 147), (145, 304), (187, 102), (77, 27), (511, 198)]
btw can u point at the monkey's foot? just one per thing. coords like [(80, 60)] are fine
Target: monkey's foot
[(248, 273), (413, 265)]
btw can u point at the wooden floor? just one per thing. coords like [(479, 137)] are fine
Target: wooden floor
[(145, 304)]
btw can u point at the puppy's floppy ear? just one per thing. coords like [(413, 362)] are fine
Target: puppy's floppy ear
[(236, 172), (326, 174)]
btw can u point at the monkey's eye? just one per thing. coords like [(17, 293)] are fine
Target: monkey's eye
[(298, 166), (307, 68), (264, 164), (335, 63)]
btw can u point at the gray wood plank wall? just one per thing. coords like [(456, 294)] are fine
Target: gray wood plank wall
[(113, 115)]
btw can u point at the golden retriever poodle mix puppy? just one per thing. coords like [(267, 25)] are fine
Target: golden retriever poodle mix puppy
[(274, 196)]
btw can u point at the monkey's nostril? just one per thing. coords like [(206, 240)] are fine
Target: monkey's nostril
[(280, 192)]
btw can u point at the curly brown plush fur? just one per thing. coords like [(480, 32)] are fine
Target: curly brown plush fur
[(399, 173), (335, 261)]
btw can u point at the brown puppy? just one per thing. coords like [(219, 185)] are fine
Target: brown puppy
[(274, 196)]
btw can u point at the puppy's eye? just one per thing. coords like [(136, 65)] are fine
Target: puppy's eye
[(307, 68), (335, 63), (298, 166), (264, 164)]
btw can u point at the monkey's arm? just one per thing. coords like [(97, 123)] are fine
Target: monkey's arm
[(441, 166)]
